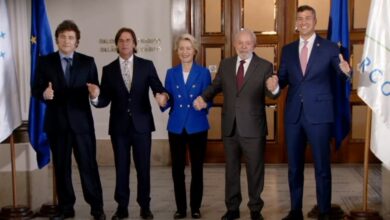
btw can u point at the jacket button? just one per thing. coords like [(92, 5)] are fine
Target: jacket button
[(181, 106), (191, 95), (179, 96), (188, 106)]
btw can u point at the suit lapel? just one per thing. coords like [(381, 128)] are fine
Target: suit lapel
[(58, 69), (118, 74), (232, 66), (296, 59), (192, 77), (73, 69), (313, 55), (179, 80), (251, 69)]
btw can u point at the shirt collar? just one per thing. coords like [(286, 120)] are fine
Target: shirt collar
[(121, 60), (247, 60), (310, 40), (62, 56)]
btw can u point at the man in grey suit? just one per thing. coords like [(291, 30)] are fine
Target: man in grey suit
[(244, 80)]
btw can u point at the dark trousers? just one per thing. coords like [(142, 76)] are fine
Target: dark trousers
[(84, 146), (318, 136), (197, 146), (252, 150), (141, 144)]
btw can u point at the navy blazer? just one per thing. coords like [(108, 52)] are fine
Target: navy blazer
[(312, 91), (182, 114), (125, 105), (70, 108)]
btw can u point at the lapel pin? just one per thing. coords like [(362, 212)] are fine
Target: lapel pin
[(318, 44)]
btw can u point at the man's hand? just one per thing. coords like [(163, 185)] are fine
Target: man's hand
[(344, 66), (199, 103), (48, 94), (272, 83), (162, 99), (93, 90)]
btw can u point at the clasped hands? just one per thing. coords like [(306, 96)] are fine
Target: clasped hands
[(162, 99)]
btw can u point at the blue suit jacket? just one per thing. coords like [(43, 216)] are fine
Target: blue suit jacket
[(182, 114), (313, 91)]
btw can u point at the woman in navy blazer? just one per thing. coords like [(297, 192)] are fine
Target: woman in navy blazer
[(186, 125)]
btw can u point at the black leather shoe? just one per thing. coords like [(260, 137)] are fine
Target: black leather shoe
[(324, 216), (294, 215), (120, 214), (196, 214), (179, 215), (99, 216), (256, 215), (146, 214), (231, 215)]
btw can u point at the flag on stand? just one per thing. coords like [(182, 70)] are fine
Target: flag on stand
[(10, 115), (338, 32), (374, 84), (41, 44)]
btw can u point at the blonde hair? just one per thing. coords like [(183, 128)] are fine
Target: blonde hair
[(187, 37)]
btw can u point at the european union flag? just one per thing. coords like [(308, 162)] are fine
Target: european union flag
[(338, 32), (41, 44)]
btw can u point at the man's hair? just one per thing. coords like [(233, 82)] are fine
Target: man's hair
[(245, 30), (68, 25), (130, 31), (303, 8)]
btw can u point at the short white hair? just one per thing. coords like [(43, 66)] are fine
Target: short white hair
[(245, 30)]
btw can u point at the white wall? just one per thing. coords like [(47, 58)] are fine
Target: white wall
[(101, 19)]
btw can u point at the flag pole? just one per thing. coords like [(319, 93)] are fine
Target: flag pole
[(366, 214), (50, 209), (14, 211)]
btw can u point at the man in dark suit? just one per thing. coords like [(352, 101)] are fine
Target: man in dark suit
[(242, 79), (125, 84), (309, 66), (61, 82)]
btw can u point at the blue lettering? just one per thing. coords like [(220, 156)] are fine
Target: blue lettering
[(374, 75), (386, 88), (364, 63)]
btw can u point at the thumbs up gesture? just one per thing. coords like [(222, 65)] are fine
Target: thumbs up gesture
[(48, 94), (344, 66)]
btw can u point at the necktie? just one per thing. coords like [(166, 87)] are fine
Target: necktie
[(68, 61), (127, 75), (240, 75), (303, 57)]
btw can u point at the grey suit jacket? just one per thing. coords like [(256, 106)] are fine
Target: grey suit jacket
[(245, 108)]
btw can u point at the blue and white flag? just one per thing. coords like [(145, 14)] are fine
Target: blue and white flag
[(374, 85), (10, 115)]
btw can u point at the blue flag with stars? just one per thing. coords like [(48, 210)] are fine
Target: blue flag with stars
[(338, 32), (41, 44)]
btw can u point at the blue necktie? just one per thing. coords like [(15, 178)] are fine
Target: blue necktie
[(67, 69)]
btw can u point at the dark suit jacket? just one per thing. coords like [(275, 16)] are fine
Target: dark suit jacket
[(135, 103), (70, 108), (246, 107), (314, 90)]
